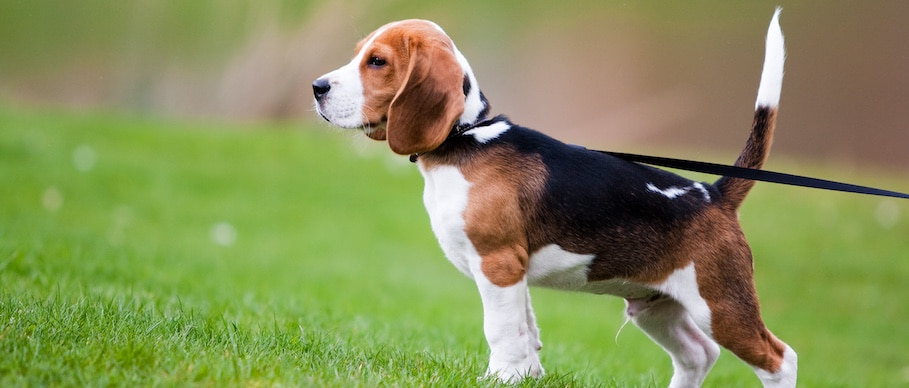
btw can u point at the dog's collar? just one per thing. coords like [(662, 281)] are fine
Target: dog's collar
[(457, 130)]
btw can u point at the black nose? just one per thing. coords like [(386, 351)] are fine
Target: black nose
[(320, 87)]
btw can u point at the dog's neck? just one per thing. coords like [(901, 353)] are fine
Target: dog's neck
[(476, 106), (463, 125)]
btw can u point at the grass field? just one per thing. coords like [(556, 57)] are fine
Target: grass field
[(139, 252)]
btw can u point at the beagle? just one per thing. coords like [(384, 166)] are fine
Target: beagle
[(512, 207)]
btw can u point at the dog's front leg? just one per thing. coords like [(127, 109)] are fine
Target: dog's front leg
[(511, 331)]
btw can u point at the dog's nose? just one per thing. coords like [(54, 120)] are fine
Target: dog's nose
[(320, 87)]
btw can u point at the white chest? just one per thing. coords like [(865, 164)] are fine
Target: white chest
[(445, 196)]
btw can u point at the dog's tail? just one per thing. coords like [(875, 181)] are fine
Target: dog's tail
[(757, 148)]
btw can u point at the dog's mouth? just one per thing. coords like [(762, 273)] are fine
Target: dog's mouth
[(372, 130)]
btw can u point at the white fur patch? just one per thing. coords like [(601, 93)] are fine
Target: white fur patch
[(473, 104), (703, 191), (786, 376), (671, 193), (682, 286), (445, 198), (489, 132), (774, 59), (675, 192), (554, 267), (343, 105)]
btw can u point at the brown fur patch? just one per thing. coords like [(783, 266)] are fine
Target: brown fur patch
[(505, 267), (504, 185), (380, 84), (725, 276)]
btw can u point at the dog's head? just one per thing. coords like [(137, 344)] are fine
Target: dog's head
[(407, 83)]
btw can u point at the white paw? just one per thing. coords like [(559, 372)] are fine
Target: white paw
[(515, 371)]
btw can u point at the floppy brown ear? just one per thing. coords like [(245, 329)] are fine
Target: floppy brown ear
[(429, 100)]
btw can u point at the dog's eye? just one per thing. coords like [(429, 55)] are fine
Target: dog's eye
[(376, 62)]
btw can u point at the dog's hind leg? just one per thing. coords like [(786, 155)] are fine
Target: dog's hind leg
[(726, 283), (742, 332), (737, 326), (668, 323)]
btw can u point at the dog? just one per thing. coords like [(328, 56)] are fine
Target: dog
[(512, 207)]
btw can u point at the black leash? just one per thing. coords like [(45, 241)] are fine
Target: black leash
[(755, 175)]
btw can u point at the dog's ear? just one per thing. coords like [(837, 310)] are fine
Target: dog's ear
[(430, 98)]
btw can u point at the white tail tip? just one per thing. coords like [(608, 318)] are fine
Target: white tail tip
[(774, 58)]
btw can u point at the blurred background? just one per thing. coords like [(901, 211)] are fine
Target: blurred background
[(677, 78)]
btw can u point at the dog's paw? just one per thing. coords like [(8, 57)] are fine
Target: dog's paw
[(513, 376), (515, 371)]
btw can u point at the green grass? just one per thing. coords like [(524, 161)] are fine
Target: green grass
[(139, 252)]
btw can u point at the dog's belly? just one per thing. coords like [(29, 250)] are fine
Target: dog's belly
[(554, 267)]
